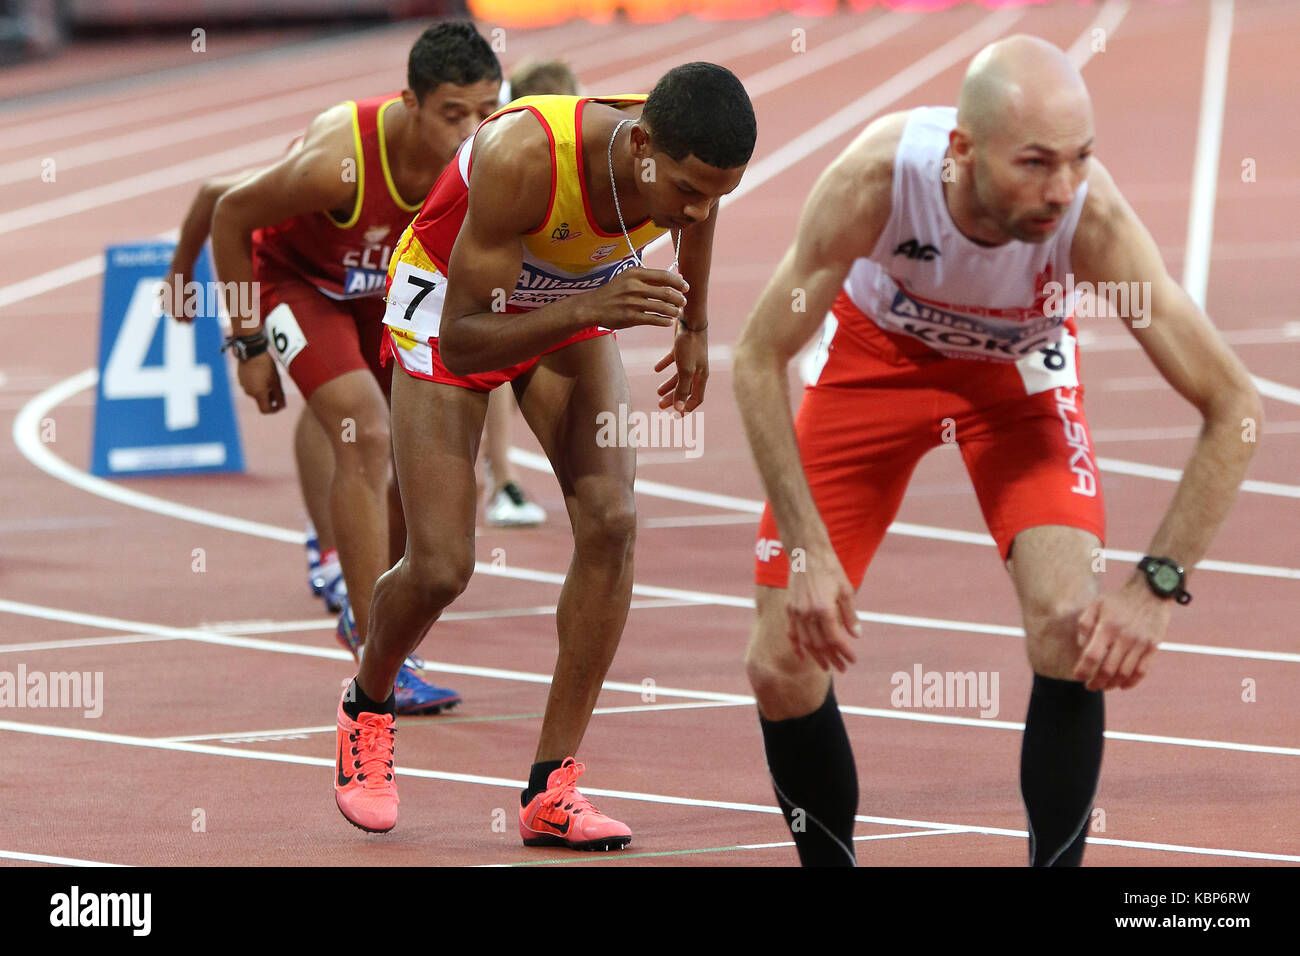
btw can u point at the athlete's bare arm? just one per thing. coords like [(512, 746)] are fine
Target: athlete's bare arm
[(193, 233), (315, 178), (684, 389), (841, 222), (510, 184), (312, 178), (1112, 245)]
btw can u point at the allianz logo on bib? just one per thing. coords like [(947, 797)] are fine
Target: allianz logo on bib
[(359, 282), (969, 336)]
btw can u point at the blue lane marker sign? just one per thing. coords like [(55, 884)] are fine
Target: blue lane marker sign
[(163, 404)]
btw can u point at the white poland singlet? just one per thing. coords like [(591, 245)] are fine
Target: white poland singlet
[(964, 300)]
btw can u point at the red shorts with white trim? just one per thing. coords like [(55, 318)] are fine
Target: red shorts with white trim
[(316, 338), (882, 400)]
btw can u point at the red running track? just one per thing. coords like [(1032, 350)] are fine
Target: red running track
[(1193, 774)]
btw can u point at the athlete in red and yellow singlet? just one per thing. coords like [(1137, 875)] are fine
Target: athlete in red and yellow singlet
[(513, 271), (315, 231), (568, 253)]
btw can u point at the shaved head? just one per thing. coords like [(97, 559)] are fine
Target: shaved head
[(1020, 85), (1021, 145)]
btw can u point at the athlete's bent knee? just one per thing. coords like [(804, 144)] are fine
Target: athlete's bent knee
[(439, 580), (1051, 635), (784, 685), (607, 525)]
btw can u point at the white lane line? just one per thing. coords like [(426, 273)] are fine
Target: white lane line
[(54, 860), (654, 489), (80, 642), (1102, 435), (496, 673), (502, 782), (827, 53), (251, 736), (697, 521), (1288, 332), (697, 851), (1209, 135), (1276, 390), (178, 174), (857, 113), (1137, 469), (732, 44), (1107, 20), (254, 736), (26, 430)]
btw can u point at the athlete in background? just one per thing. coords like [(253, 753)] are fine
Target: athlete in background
[(316, 230)]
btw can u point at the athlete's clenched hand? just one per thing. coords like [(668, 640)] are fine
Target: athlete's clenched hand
[(639, 296), (259, 379)]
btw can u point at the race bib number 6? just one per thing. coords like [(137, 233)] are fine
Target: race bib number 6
[(284, 333)]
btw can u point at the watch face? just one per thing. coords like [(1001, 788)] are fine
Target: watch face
[(1166, 579)]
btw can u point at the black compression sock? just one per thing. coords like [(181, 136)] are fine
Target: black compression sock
[(816, 782), (356, 703), (537, 776), (1060, 763)]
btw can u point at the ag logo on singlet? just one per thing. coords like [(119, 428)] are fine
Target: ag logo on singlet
[(914, 249)]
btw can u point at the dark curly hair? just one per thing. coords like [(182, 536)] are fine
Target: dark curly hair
[(702, 109)]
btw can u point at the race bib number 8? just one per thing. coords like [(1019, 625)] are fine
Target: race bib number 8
[(415, 301), (1052, 367)]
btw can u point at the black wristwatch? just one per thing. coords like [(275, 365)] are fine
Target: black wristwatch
[(1165, 578), (246, 347)]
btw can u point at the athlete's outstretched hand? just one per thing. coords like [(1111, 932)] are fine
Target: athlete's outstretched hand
[(684, 391), (819, 604), (1119, 632), (259, 379), (639, 296)]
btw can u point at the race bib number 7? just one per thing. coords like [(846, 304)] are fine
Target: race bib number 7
[(415, 301)]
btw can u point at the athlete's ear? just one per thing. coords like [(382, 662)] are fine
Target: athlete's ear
[(642, 147), (410, 101)]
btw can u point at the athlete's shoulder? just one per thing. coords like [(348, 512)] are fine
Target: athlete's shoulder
[(513, 141), (851, 202), (332, 130), (511, 167), (867, 165), (1105, 214)]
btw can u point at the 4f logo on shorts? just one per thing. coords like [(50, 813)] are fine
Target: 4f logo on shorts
[(766, 549), (914, 249)]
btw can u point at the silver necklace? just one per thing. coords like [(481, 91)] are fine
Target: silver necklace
[(677, 239)]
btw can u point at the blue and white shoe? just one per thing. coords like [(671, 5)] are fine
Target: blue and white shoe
[(313, 561), (415, 695)]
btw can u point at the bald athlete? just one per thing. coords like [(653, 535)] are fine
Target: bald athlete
[(939, 242)]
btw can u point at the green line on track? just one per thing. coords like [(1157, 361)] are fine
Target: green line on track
[(592, 856)]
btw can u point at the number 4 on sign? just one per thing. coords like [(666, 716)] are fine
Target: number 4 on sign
[(179, 381)]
